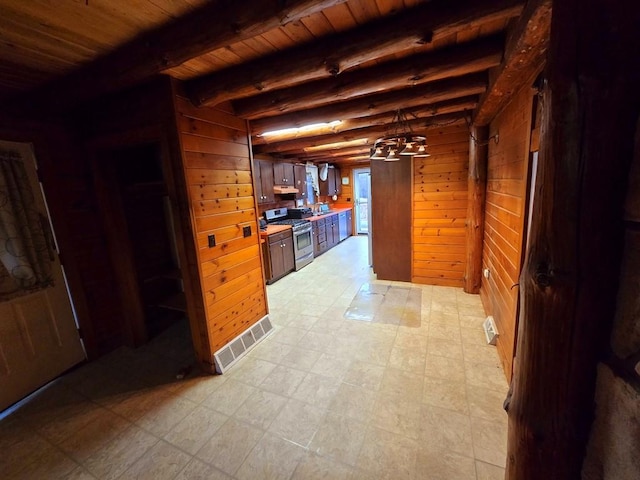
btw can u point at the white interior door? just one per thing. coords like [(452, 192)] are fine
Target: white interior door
[(38, 334), (362, 195)]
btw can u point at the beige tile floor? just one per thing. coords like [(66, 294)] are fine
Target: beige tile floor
[(361, 379)]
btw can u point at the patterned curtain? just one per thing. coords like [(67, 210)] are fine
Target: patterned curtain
[(25, 244)]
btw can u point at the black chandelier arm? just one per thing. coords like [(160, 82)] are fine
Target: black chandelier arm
[(495, 137)]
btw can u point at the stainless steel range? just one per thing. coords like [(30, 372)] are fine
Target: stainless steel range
[(301, 229)]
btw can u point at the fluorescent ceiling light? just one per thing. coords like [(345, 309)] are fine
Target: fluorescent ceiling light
[(332, 146), (304, 128)]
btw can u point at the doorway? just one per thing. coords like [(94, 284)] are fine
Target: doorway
[(362, 193), (140, 225)]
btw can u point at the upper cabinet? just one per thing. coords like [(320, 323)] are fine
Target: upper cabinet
[(300, 180), (264, 181), (283, 174), (332, 185)]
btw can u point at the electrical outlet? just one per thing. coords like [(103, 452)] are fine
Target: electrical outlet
[(486, 272), (212, 241), (246, 231)]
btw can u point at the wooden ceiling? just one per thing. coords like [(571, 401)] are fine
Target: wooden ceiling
[(282, 63)]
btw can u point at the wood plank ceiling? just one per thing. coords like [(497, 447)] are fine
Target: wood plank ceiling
[(280, 63)]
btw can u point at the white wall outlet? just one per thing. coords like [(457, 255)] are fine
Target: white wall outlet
[(486, 272)]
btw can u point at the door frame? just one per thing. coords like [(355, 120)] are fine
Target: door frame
[(357, 171), (111, 209)]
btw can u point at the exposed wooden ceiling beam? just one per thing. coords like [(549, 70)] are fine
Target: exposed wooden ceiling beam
[(524, 57), (374, 132), (207, 28), (374, 104), (359, 159), (406, 72), (330, 154), (321, 135), (334, 54), (362, 152)]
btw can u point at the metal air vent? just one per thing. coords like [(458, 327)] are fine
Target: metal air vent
[(228, 355)]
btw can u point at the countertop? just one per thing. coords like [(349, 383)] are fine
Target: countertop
[(271, 229), (333, 211)]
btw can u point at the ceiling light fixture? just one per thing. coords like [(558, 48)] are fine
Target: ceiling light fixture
[(402, 142), (305, 128)]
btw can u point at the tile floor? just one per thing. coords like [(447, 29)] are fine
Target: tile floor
[(361, 379)]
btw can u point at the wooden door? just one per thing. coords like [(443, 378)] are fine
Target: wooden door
[(283, 174), (287, 251), (288, 170), (328, 186), (257, 181), (266, 178), (391, 197), (276, 255), (38, 335), (300, 180)]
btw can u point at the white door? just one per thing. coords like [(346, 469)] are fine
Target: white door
[(38, 334), (361, 177)]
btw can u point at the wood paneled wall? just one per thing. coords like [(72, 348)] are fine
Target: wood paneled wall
[(347, 191), (219, 186), (505, 215), (440, 208)]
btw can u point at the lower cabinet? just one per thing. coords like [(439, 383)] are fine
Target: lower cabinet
[(279, 256), (319, 237), (333, 231), (330, 230)]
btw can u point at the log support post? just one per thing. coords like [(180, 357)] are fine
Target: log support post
[(477, 185), (590, 105)]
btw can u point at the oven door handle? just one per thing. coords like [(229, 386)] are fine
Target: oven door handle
[(303, 229)]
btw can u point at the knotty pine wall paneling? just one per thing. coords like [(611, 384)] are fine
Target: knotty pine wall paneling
[(440, 208), (505, 215), (216, 165), (347, 191)]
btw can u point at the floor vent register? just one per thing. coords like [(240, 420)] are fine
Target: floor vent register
[(227, 356)]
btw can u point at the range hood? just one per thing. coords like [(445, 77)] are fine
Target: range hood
[(284, 189)]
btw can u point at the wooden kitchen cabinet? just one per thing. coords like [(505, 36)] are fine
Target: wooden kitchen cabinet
[(333, 231), (349, 223), (332, 186), (337, 181), (283, 174), (300, 181), (319, 237), (264, 181), (280, 255)]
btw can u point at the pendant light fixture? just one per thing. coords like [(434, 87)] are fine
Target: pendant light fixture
[(401, 143)]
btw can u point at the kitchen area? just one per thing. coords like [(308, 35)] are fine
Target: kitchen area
[(301, 213)]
